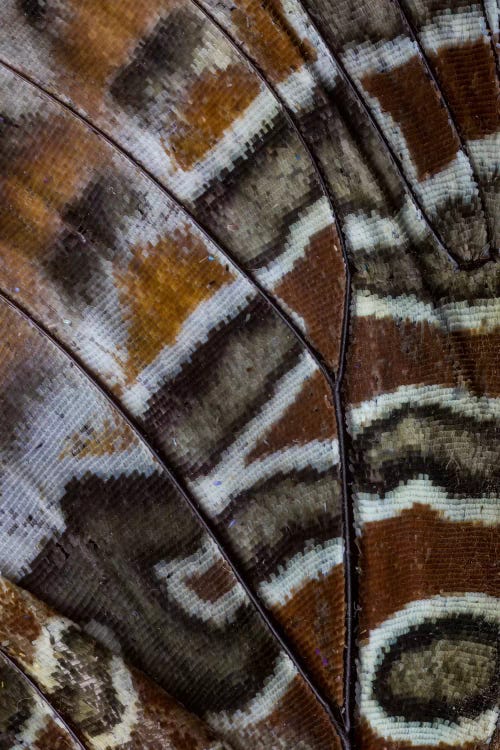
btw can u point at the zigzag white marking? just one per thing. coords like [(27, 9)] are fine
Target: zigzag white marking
[(120, 733), (233, 475), (451, 29), (371, 507), (480, 316), (457, 400), (314, 219), (262, 705), (174, 573), (314, 563)]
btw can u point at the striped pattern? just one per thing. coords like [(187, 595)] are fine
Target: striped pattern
[(182, 188)]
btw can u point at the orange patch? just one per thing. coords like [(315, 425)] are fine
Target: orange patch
[(55, 162), (98, 39), (271, 41), (313, 620), (164, 284), (408, 96), (310, 417), (214, 102)]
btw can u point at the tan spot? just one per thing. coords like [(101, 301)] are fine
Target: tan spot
[(407, 95), (417, 555), (213, 103), (309, 417), (468, 76), (213, 583), (315, 290), (112, 438), (271, 40), (164, 284), (313, 620), (451, 670)]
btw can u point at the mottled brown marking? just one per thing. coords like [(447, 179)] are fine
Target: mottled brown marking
[(213, 102), (468, 76), (213, 583), (309, 417), (407, 95), (418, 554), (313, 620), (319, 275), (273, 42)]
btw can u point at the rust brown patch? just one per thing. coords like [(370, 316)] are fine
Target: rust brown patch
[(313, 620), (163, 722), (163, 285), (272, 42), (214, 583), (417, 555), (310, 417), (213, 103), (299, 715), (20, 624), (407, 95), (468, 76), (54, 737), (315, 289), (421, 353)]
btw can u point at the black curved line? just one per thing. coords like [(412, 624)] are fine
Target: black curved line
[(491, 37), (457, 262), (430, 69), (179, 485), (10, 661), (335, 383)]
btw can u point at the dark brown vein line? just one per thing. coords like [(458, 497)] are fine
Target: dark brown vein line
[(335, 383), (491, 36), (430, 69), (185, 493), (317, 357), (457, 262), (13, 665)]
